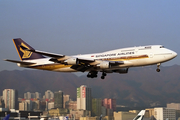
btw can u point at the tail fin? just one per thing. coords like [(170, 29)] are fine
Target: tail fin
[(23, 54), (7, 117), (140, 115)]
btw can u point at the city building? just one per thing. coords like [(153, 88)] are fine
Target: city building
[(80, 113), (58, 99), (84, 99), (25, 105), (164, 113), (49, 94), (65, 99), (27, 95), (175, 106), (149, 112), (96, 107), (50, 105), (37, 95), (109, 103), (10, 97), (124, 115), (2, 105), (36, 105), (55, 112), (103, 111), (71, 105)]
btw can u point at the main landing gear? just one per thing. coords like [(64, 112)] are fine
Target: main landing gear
[(103, 75), (158, 69), (93, 74)]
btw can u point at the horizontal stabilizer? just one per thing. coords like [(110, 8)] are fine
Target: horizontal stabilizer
[(21, 62)]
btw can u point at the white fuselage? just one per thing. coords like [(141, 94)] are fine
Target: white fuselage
[(132, 57)]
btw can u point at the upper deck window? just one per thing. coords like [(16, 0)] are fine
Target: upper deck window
[(145, 48)]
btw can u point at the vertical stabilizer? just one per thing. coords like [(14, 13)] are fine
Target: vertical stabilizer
[(140, 115), (23, 54), (7, 117)]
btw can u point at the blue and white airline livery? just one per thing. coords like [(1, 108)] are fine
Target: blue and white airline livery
[(118, 61)]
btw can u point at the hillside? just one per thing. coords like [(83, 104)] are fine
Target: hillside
[(140, 87)]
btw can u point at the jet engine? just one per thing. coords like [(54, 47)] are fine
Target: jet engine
[(104, 65), (121, 71), (71, 61)]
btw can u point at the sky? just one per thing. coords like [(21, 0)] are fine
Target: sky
[(73, 27)]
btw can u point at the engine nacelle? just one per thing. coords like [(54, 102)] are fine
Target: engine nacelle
[(122, 70), (104, 65), (71, 61)]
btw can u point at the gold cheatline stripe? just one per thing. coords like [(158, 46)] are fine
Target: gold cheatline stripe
[(127, 58), (50, 66)]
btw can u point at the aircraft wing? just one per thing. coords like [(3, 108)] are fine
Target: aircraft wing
[(21, 62)]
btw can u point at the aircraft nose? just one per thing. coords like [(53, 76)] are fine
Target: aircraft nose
[(174, 54)]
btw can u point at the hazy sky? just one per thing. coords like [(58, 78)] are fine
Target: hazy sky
[(80, 26)]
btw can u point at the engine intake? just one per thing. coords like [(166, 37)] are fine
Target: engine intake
[(71, 61)]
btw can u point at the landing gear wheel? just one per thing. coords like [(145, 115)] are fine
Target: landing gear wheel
[(102, 77), (158, 70), (92, 74), (104, 74)]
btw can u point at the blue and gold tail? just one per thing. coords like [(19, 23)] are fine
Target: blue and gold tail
[(7, 117), (23, 54)]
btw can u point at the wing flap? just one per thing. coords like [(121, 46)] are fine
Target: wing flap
[(21, 62)]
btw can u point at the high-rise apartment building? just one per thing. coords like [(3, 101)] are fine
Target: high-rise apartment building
[(25, 105), (109, 103), (84, 99), (65, 99), (27, 95), (96, 107), (164, 113), (10, 97), (37, 95), (50, 105), (49, 94), (58, 99), (175, 106)]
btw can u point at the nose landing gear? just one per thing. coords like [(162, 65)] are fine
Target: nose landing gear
[(158, 69)]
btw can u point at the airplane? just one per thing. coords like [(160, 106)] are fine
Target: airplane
[(7, 117), (140, 116), (114, 61)]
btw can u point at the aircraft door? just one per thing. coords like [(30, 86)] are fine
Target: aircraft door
[(151, 55)]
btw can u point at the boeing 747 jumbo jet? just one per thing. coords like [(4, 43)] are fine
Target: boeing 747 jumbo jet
[(117, 61)]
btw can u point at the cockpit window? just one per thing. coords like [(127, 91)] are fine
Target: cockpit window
[(161, 46)]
